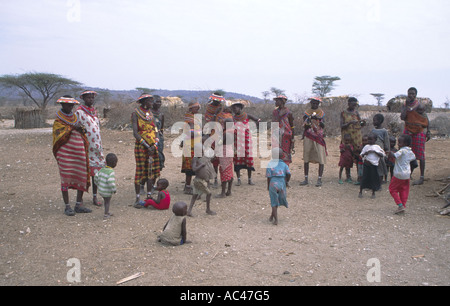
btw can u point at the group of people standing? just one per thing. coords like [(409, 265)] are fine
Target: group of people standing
[(77, 147)]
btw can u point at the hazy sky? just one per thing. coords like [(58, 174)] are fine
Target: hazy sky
[(245, 46)]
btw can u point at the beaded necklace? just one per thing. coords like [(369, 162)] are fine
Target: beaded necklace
[(144, 114), (70, 119), (91, 111), (241, 117)]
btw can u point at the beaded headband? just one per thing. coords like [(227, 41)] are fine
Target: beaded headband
[(64, 100), (87, 92), (145, 96)]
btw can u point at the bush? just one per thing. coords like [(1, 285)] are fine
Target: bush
[(442, 125)]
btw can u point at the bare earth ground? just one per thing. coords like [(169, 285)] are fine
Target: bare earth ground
[(326, 236)]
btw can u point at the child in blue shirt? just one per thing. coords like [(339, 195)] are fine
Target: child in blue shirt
[(278, 175)]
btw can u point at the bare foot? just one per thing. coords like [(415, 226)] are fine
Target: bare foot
[(211, 213)]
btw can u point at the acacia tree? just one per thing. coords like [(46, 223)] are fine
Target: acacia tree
[(41, 88), (379, 97), (323, 85)]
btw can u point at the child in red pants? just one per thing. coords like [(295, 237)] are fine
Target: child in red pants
[(162, 202), (399, 186)]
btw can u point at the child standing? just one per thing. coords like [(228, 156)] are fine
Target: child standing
[(399, 186), (390, 162), (278, 176), (204, 172), (162, 202), (346, 159), (383, 141), (174, 232), (105, 180), (371, 155)]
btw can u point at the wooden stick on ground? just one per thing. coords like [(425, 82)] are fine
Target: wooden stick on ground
[(129, 278)]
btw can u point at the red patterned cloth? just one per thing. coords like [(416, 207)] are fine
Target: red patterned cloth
[(417, 144), (243, 158)]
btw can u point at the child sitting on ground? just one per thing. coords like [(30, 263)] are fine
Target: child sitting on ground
[(162, 202), (399, 186), (371, 155), (204, 172), (346, 159), (174, 232), (106, 181)]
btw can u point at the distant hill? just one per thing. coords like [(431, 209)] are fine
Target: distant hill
[(10, 96)]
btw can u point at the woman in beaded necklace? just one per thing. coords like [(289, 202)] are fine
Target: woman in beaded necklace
[(243, 147), (145, 150), (88, 117), (71, 150)]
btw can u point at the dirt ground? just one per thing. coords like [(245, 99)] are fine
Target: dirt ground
[(326, 237)]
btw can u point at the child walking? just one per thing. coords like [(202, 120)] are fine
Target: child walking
[(174, 232), (204, 172), (371, 155), (346, 159), (278, 176), (105, 180), (399, 186), (162, 202)]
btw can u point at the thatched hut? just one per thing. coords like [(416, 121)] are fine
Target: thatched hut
[(395, 104)]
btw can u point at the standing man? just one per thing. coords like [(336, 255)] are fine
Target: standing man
[(416, 120)]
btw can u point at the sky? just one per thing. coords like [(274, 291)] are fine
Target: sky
[(243, 46)]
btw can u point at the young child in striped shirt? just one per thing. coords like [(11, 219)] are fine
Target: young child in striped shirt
[(105, 179)]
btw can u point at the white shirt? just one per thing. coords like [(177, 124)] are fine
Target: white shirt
[(402, 168), (372, 157)]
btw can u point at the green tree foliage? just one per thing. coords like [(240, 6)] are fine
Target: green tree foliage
[(323, 85), (41, 88)]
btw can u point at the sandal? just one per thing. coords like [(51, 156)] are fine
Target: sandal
[(68, 211), (82, 210), (95, 202)]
